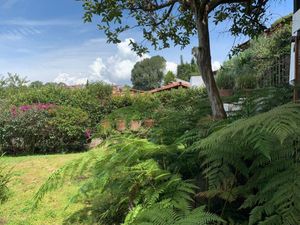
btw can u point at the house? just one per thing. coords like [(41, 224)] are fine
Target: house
[(197, 81), (295, 51), (174, 85)]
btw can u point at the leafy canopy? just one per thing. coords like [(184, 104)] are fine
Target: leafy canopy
[(148, 74), (169, 77), (168, 22)]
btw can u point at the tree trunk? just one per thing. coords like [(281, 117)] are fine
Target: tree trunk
[(203, 57)]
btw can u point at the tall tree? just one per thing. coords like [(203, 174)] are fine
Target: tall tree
[(148, 74), (186, 70), (166, 22), (169, 77)]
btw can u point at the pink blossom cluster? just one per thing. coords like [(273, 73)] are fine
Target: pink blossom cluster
[(37, 106)]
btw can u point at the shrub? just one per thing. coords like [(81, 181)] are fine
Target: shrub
[(42, 128), (129, 180), (261, 54), (246, 82), (225, 80), (252, 165), (179, 112), (93, 99)]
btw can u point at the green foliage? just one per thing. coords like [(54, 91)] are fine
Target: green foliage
[(186, 70), (148, 74), (169, 77), (253, 165), (127, 177), (95, 99), (250, 168), (138, 108), (180, 111), (263, 100), (5, 177), (158, 215), (246, 82), (36, 84), (225, 81), (253, 63), (13, 81), (167, 23), (43, 129)]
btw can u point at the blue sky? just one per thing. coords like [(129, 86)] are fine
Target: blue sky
[(47, 40)]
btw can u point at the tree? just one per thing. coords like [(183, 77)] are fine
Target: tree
[(148, 73), (36, 84), (166, 22), (169, 77), (186, 70), (15, 81)]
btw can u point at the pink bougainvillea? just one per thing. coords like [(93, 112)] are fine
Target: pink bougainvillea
[(24, 108)]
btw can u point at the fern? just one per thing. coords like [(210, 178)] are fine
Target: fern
[(159, 215), (124, 173), (257, 159)]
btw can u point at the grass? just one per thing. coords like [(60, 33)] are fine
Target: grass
[(29, 173)]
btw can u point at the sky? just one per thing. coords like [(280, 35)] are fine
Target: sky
[(47, 40)]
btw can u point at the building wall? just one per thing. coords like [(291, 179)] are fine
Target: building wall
[(295, 33), (296, 22)]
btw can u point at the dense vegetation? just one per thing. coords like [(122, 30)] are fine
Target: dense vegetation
[(148, 74), (186, 169), (246, 171), (250, 68)]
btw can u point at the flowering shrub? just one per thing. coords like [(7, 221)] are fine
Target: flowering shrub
[(42, 128)]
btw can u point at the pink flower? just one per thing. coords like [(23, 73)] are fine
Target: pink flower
[(24, 108)]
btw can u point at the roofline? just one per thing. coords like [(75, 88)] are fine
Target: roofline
[(170, 86)]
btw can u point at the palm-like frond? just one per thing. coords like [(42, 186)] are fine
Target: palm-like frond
[(124, 173), (257, 159), (159, 215)]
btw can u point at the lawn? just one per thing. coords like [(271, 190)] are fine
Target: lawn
[(29, 174)]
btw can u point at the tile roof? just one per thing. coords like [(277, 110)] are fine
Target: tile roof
[(172, 85)]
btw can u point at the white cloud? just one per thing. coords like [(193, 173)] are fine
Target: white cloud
[(114, 68), (117, 68), (216, 65), (97, 67), (171, 66), (69, 79)]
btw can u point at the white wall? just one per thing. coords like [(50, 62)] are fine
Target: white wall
[(296, 27), (296, 22), (196, 81)]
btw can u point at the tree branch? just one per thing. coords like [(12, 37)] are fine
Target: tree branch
[(215, 3), (166, 16), (154, 7)]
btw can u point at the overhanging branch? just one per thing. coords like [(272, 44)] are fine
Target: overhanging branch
[(215, 3)]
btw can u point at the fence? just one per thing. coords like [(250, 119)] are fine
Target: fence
[(277, 74)]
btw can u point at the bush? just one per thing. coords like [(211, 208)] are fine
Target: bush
[(261, 54), (225, 81), (246, 82), (179, 111), (42, 128), (95, 99)]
